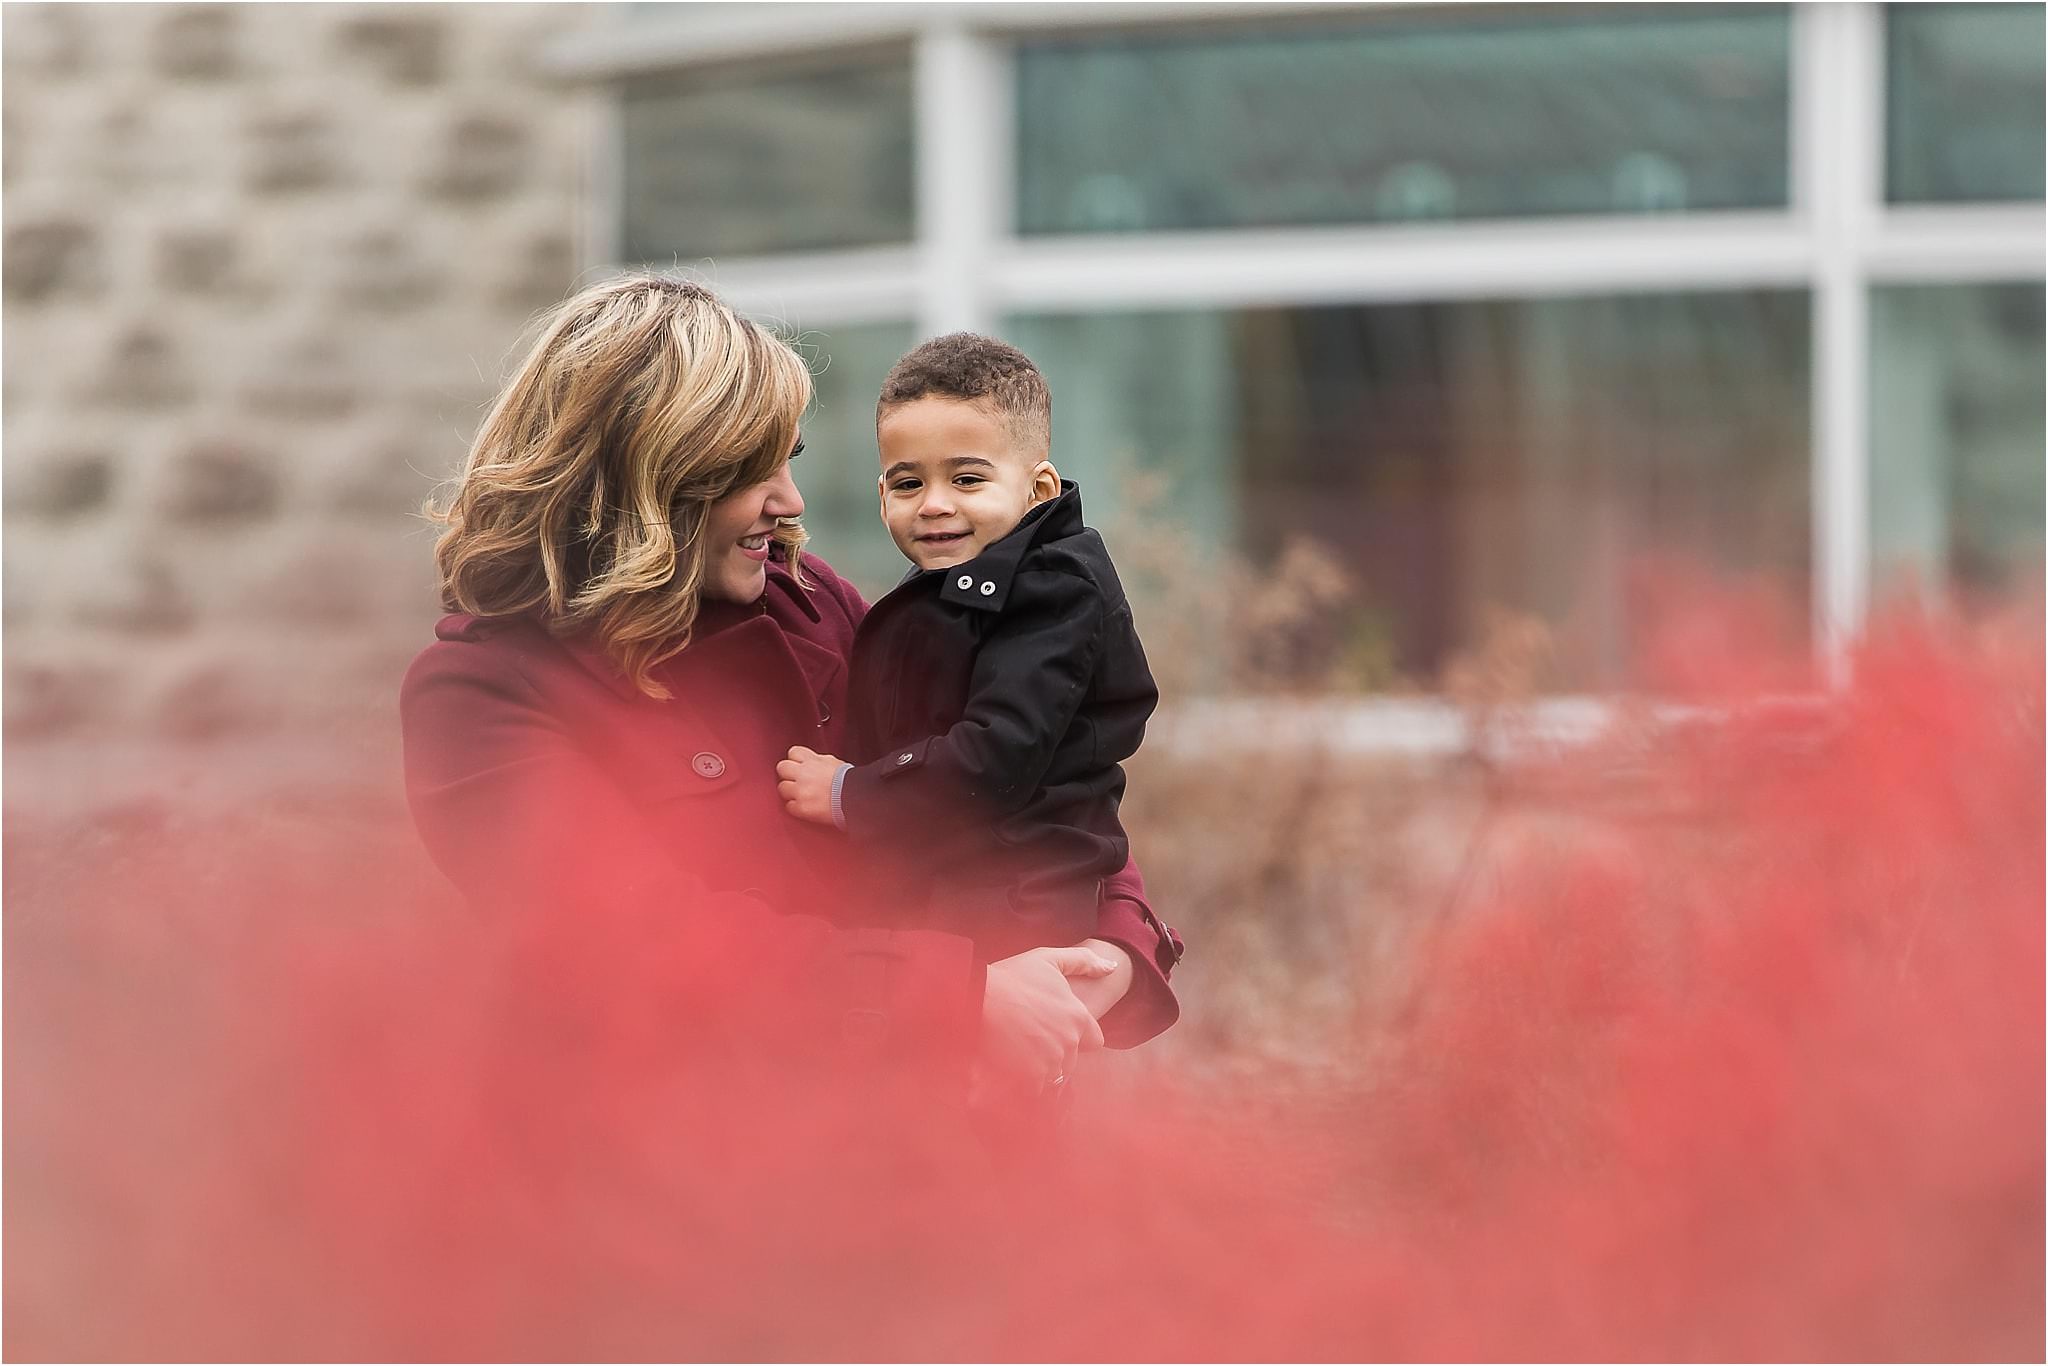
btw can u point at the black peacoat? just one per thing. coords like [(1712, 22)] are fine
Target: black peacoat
[(991, 706)]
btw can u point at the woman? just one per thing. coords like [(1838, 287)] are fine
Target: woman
[(635, 639)]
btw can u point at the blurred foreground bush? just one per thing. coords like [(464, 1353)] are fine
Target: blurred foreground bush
[(1717, 1037)]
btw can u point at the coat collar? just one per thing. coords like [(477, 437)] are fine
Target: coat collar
[(726, 623), (984, 581)]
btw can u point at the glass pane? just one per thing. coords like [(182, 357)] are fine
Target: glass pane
[(1965, 88), (838, 468), (1457, 458), (1495, 114), (1957, 436), (735, 162)]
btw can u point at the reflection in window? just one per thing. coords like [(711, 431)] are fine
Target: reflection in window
[(1459, 458), (739, 161), (1957, 436), (1965, 86), (839, 465), (1441, 116)]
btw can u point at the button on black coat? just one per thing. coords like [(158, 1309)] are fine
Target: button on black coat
[(991, 707)]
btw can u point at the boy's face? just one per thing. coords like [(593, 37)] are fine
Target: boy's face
[(954, 480)]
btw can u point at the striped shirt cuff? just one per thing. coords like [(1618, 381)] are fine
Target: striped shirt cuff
[(838, 785)]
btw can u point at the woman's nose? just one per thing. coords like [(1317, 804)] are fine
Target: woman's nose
[(783, 498)]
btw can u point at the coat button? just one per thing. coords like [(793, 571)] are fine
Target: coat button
[(964, 581), (903, 758), (706, 764), (824, 713), (988, 586)]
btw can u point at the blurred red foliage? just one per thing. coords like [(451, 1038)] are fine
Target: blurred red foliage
[(1743, 1060)]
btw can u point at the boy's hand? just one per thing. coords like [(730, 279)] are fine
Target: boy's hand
[(805, 781), (1099, 989)]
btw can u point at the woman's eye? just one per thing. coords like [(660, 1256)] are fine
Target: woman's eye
[(799, 449)]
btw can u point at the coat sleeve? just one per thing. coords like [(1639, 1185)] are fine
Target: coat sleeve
[(1126, 919), (522, 823), (1030, 677)]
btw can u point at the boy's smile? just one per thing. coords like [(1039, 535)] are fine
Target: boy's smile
[(955, 480)]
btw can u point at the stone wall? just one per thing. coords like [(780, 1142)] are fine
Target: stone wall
[(263, 265)]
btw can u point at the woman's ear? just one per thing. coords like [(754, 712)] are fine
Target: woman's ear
[(1045, 482)]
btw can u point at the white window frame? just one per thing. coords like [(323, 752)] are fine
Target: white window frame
[(1836, 239)]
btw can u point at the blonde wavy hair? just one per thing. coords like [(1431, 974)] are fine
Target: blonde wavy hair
[(583, 499)]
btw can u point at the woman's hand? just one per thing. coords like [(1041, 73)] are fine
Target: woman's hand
[(1099, 993), (1033, 1025), (804, 781)]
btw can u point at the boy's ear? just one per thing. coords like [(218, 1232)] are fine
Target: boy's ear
[(1045, 482), (882, 491)]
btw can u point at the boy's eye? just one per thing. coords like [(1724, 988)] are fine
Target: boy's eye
[(969, 480), (903, 486)]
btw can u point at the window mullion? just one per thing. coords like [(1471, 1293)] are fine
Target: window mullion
[(1837, 126), (959, 183)]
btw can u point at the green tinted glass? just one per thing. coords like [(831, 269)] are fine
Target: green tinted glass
[(738, 162), (838, 468), (1957, 437), (1496, 113), (1458, 460), (1964, 88)]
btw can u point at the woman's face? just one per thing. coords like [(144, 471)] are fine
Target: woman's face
[(736, 536)]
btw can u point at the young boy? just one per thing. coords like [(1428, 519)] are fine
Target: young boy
[(996, 690)]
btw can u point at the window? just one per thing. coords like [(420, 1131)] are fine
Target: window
[(746, 161), (1497, 115), (839, 465), (1491, 299), (1964, 87), (1957, 437), (1459, 457)]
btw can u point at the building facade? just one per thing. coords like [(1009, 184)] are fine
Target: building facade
[(1489, 302)]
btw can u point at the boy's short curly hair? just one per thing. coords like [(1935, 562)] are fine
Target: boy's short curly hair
[(964, 365)]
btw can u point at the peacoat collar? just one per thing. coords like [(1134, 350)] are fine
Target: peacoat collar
[(984, 582), (727, 640)]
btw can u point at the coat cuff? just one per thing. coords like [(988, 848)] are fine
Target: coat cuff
[(1149, 1008)]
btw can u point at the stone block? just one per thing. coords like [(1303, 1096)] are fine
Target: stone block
[(62, 486), (143, 369), (388, 480), (311, 379), (52, 696), (45, 40), (216, 482), (540, 273), (208, 699), (402, 46), (14, 136), (196, 42), (324, 586), (290, 153), (386, 270), (139, 596), (128, 151), (52, 257), (196, 260), (483, 156)]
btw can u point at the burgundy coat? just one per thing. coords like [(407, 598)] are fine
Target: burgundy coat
[(540, 778)]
